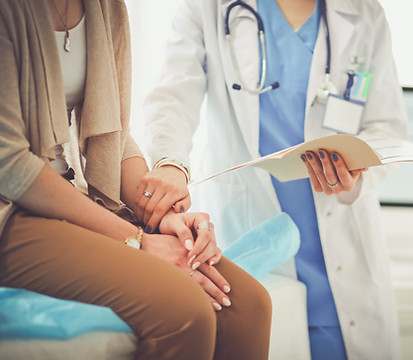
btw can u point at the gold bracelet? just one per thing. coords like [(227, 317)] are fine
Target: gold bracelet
[(136, 240)]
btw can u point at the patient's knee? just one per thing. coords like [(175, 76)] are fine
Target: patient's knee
[(187, 331)]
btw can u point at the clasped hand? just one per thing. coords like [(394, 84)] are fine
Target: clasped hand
[(159, 191), (193, 250)]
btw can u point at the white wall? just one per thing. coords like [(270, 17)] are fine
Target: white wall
[(150, 24), (399, 15)]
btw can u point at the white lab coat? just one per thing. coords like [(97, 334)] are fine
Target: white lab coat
[(198, 62)]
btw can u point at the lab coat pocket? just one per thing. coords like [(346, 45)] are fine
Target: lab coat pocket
[(366, 216)]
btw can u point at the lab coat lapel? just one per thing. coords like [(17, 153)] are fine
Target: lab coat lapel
[(246, 48), (340, 16)]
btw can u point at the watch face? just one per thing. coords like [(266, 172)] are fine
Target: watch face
[(134, 243)]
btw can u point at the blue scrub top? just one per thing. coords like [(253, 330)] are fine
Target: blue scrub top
[(282, 112)]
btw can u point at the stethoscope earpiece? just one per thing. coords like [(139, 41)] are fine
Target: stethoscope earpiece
[(273, 86)]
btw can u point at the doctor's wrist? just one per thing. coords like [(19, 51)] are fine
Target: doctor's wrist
[(175, 163)]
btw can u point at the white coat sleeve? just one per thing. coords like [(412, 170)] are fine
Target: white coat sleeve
[(385, 112), (172, 108)]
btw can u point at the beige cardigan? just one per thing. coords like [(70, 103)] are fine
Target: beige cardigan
[(32, 102)]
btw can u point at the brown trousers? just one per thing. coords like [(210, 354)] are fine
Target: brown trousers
[(168, 311)]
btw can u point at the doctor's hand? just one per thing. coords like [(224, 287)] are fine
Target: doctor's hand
[(329, 173), (159, 191), (170, 249), (196, 233)]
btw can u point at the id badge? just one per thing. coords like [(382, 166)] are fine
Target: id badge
[(343, 115)]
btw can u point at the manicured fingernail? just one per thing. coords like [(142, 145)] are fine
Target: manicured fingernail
[(302, 158), (148, 229), (227, 289), (335, 157), (216, 306), (309, 157), (188, 244), (191, 259), (195, 266), (211, 263), (181, 209), (321, 154), (226, 301)]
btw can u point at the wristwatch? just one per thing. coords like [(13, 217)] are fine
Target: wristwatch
[(136, 240)]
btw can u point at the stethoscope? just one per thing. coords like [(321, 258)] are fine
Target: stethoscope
[(325, 88)]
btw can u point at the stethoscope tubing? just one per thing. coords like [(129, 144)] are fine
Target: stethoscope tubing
[(261, 36), (260, 87), (323, 11), (260, 24)]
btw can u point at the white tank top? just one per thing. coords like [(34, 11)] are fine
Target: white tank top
[(73, 65)]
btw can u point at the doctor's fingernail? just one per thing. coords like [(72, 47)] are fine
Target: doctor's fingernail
[(188, 244), (181, 209), (321, 154), (309, 157), (148, 229), (335, 157)]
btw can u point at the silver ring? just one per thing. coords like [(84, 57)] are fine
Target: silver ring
[(147, 194), (191, 273), (332, 186), (204, 225)]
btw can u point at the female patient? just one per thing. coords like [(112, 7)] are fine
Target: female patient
[(71, 241)]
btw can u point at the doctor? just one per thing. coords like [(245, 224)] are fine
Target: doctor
[(317, 59)]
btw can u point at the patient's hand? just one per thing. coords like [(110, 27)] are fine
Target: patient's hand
[(170, 249), (166, 188), (197, 235)]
